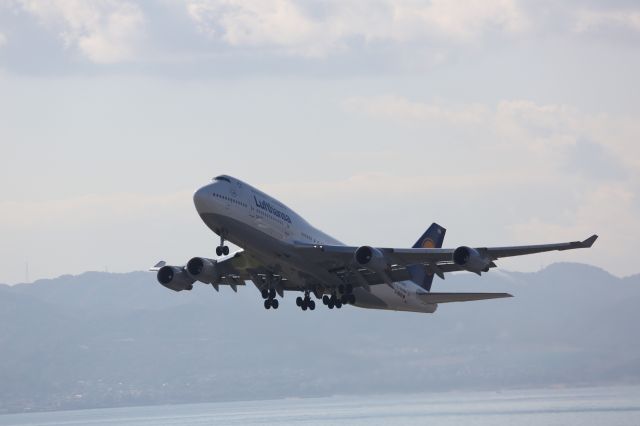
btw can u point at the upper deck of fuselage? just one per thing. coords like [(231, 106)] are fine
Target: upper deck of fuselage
[(226, 191)]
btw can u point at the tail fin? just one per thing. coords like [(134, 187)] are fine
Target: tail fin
[(432, 238)]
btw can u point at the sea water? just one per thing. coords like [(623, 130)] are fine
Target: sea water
[(584, 406)]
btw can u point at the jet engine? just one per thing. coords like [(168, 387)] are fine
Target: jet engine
[(175, 278), (469, 259), (371, 258), (203, 270)]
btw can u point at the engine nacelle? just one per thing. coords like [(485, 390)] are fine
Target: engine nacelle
[(469, 259), (371, 258), (175, 278), (203, 270)]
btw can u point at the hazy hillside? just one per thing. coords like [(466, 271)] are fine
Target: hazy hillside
[(102, 339)]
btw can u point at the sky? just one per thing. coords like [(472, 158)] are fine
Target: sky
[(507, 122)]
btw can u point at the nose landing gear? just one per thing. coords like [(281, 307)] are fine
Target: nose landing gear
[(222, 249)]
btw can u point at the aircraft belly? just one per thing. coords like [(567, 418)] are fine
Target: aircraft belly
[(272, 252)]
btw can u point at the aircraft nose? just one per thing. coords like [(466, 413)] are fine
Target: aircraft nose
[(201, 198)]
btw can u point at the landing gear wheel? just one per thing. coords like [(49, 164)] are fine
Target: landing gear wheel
[(304, 307), (272, 293), (225, 250), (299, 301), (312, 305), (274, 303), (325, 299), (218, 251), (330, 304), (267, 304), (338, 304), (265, 293)]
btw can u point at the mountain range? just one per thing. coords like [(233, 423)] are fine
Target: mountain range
[(106, 339)]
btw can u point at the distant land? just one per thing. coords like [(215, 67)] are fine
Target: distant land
[(104, 340)]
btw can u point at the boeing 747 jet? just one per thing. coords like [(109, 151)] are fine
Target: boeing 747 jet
[(283, 252)]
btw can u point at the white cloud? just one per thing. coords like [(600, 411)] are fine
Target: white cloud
[(88, 209), (279, 23), (588, 19), (607, 210), (294, 28), (531, 145), (542, 129), (459, 20), (400, 108), (105, 31)]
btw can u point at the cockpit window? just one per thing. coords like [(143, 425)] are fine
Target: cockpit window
[(224, 178)]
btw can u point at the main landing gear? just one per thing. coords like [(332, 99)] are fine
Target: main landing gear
[(346, 297), (269, 296), (306, 302), (222, 249)]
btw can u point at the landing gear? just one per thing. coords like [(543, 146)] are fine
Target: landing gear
[(271, 303), (332, 301), (305, 302), (222, 249), (343, 296), (269, 296), (349, 299)]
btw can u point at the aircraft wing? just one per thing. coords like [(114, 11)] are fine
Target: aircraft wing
[(340, 260), (409, 256)]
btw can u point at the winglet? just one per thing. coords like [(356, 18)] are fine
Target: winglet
[(589, 241)]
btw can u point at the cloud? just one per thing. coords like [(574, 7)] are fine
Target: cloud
[(400, 108), (320, 29), (88, 209), (571, 173), (594, 161), (547, 130), (606, 209), (589, 19), (277, 23), (116, 31), (105, 31), (458, 20)]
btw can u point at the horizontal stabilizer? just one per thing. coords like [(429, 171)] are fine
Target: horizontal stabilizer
[(157, 266), (459, 297)]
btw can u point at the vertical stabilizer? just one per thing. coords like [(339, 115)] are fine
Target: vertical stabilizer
[(433, 237)]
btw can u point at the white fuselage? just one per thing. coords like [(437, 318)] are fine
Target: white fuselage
[(268, 230)]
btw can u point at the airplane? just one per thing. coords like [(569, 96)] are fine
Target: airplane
[(282, 252)]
